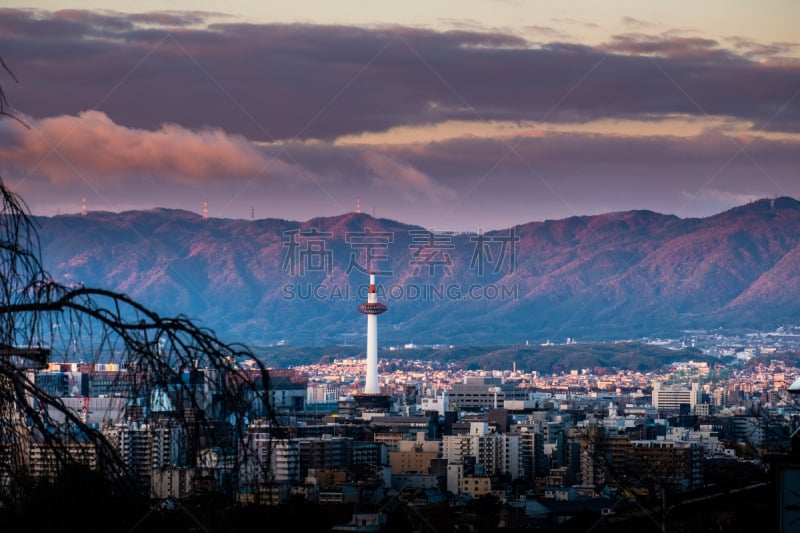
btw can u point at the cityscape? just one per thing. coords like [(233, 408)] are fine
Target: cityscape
[(548, 451)]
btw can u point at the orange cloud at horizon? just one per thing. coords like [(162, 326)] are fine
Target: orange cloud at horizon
[(91, 145)]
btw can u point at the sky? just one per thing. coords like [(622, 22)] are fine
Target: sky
[(467, 116)]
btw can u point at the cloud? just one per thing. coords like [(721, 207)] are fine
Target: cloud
[(727, 198), (546, 31), (448, 181), (175, 18), (284, 81), (636, 23), (686, 48), (400, 177), (753, 49), (565, 171), (192, 99), (91, 145)]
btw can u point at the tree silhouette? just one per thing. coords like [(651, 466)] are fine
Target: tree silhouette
[(170, 372)]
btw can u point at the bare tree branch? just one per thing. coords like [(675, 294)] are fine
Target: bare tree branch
[(171, 373)]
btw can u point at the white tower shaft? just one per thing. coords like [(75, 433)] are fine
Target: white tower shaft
[(371, 386), (372, 308)]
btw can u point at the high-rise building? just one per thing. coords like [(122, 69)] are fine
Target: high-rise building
[(482, 392), (671, 397), (675, 465)]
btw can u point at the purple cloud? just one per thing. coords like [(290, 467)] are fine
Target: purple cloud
[(281, 81)]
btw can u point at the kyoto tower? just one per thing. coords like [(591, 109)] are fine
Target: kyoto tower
[(372, 308)]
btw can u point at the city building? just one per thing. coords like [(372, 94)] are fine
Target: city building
[(483, 393), (670, 398)]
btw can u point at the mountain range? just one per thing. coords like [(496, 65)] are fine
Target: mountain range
[(591, 278)]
